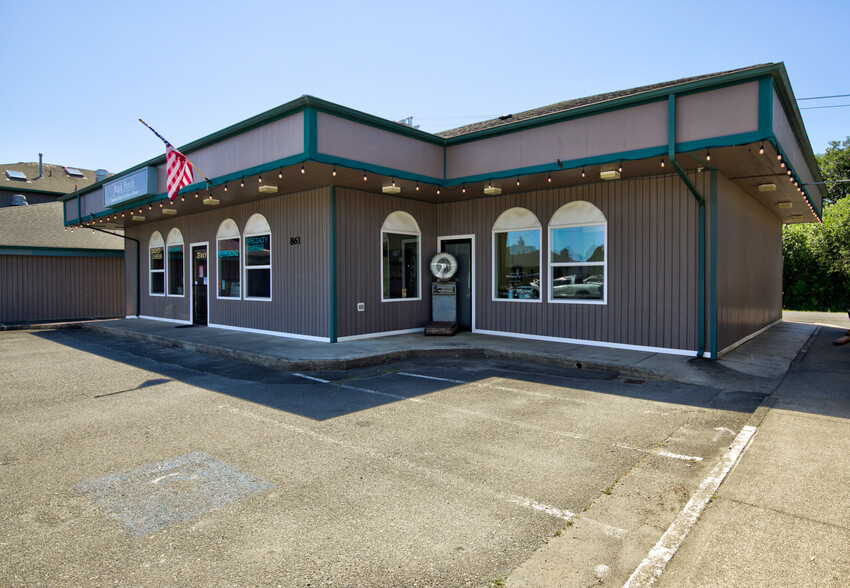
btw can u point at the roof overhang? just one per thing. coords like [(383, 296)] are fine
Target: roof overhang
[(310, 143)]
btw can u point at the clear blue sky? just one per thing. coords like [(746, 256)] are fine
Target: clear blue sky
[(78, 75)]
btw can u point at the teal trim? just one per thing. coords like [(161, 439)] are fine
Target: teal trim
[(712, 268), (332, 263), (766, 106), (818, 211), (570, 164), (671, 152), (311, 132), (376, 169), (59, 251), (724, 141)]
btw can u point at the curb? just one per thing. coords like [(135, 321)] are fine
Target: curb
[(380, 358)]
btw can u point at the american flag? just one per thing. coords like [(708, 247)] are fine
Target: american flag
[(179, 171)]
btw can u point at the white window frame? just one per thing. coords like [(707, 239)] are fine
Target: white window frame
[(578, 213), (400, 222), (257, 226), (515, 220), (170, 241), (226, 231), (156, 240)]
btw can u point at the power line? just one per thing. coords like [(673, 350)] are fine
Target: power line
[(824, 97), (833, 106)]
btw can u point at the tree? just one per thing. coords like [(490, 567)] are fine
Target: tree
[(835, 165), (816, 273)]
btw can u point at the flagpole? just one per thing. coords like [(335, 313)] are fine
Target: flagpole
[(164, 140)]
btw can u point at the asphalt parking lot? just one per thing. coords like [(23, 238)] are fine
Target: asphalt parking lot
[(124, 463)]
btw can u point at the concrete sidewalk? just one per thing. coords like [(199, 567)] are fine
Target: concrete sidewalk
[(781, 516), (758, 365)]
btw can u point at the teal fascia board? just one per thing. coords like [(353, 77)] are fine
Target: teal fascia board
[(59, 251), (311, 132), (571, 164), (765, 106), (376, 169)]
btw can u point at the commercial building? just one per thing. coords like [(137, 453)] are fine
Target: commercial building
[(48, 272), (648, 218)]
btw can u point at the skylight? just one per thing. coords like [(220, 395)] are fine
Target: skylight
[(15, 175), (72, 171)]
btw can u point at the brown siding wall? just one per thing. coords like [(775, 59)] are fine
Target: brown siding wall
[(749, 265), (41, 287), (652, 263), (360, 216), (300, 273)]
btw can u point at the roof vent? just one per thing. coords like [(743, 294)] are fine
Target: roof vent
[(18, 200), (101, 174)]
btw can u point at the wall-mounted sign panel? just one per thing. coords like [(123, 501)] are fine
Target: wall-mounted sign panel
[(138, 184)]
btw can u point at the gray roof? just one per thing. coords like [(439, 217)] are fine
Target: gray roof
[(576, 103), (42, 225), (54, 179)]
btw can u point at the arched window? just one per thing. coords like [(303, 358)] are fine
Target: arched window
[(227, 253), (400, 257), (516, 256), (174, 247), (578, 238), (156, 248), (258, 258)]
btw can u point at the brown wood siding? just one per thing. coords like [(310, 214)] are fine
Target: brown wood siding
[(652, 263), (360, 216), (41, 287), (300, 273), (749, 265)]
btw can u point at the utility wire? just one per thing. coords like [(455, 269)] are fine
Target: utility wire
[(832, 106), (824, 97)]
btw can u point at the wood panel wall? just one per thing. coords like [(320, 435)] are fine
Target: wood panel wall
[(360, 216), (652, 263), (749, 265), (41, 287), (300, 273)]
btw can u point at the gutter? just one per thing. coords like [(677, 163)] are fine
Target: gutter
[(671, 154), (138, 265)]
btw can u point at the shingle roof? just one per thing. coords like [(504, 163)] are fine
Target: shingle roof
[(42, 225), (576, 103), (54, 179)]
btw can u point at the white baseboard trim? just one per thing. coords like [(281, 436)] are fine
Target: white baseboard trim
[(381, 334), (666, 350), (747, 338), (164, 320), (272, 333)]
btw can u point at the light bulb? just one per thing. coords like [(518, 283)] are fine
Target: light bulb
[(225, 187), (260, 180), (334, 172), (620, 169), (662, 162), (761, 149), (302, 169), (582, 171), (708, 154)]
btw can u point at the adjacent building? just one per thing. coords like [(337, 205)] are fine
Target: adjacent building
[(648, 219)]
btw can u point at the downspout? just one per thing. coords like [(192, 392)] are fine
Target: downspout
[(671, 154), (138, 265), (332, 264)]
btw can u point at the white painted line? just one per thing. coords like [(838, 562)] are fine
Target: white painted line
[(651, 568), (306, 377), (431, 378), (442, 476), (568, 434)]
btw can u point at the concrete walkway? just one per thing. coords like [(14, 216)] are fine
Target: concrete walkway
[(757, 365), (781, 516)]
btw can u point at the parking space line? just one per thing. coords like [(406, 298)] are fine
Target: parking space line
[(568, 434), (374, 454), (653, 565)]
